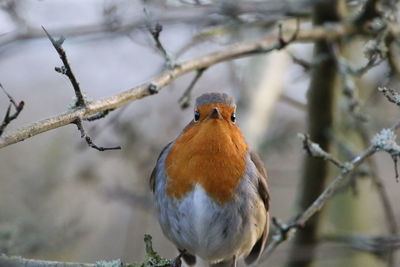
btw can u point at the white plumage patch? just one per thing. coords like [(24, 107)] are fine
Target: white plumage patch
[(201, 209)]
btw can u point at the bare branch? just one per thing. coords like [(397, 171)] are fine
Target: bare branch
[(184, 100), (373, 244), (89, 141), (390, 94), (282, 41), (301, 62), (315, 150), (155, 31), (166, 77), (293, 102), (13, 261), (8, 118), (385, 140), (66, 68), (381, 142), (99, 115), (152, 259)]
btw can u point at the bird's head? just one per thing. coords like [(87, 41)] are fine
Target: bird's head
[(214, 107)]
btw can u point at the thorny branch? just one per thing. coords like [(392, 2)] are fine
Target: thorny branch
[(383, 141), (10, 117), (66, 68)]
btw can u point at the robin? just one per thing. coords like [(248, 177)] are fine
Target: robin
[(210, 190)]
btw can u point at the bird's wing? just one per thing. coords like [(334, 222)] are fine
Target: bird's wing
[(154, 172), (262, 179), (189, 259), (263, 191)]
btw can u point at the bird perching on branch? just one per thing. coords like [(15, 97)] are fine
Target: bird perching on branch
[(211, 191)]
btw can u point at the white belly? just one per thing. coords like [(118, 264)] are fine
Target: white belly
[(211, 231)]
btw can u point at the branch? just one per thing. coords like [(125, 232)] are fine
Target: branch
[(293, 102), (152, 259), (169, 14), (369, 12), (314, 150), (166, 77), (391, 95), (89, 141), (14, 261), (99, 115), (185, 98), (383, 141), (378, 245), (8, 118), (155, 32), (66, 69)]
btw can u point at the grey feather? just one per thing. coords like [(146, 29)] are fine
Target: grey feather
[(259, 247), (215, 98)]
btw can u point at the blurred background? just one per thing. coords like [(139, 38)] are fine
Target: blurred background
[(61, 200)]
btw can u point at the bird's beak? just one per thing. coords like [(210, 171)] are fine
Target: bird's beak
[(215, 114)]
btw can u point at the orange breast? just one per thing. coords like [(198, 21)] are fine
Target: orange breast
[(211, 154)]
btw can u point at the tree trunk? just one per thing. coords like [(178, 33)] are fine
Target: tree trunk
[(321, 109), (353, 212)]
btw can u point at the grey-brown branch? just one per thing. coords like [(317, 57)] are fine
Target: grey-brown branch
[(9, 117), (153, 86), (383, 141)]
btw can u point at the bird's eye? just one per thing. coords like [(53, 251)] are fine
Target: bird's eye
[(196, 115), (233, 117)]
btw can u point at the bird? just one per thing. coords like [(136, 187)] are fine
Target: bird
[(210, 190)]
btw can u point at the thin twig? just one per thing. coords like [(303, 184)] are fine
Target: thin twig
[(283, 43), (350, 89), (390, 94), (89, 141), (390, 217), (155, 31), (99, 115), (152, 258), (113, 122), (285, 231), (8, 118), (184, 100), (385, 140), (384, 197), (315, 150), (306, 65), (293, 102), (66, 68), (316, 206), (378, 245)]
